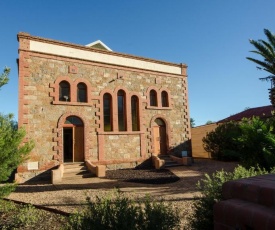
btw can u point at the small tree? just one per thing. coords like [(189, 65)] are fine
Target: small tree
[(12, 151)]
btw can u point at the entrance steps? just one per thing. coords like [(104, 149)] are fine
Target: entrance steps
[(74, 171), (168, 161)]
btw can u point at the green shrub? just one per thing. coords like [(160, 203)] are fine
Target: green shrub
[(6, 189), (220, 142), (120, 212), (257, 142), (157, 215), (211, 193)]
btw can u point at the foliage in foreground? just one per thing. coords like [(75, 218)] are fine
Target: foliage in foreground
[(13, 152), (211, 190), (121, 212)]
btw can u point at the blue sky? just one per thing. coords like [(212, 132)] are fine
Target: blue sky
[(211, 37)]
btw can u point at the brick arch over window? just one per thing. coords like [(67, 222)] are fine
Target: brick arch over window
[(169, 101), (59, 134), (55, 86), (149, 90), (168, 131), (101, 120), (88, 87), (73, 89)]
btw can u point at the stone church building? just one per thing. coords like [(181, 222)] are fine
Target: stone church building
[(80, 103)]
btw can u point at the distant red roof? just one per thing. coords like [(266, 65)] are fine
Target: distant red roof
[(262, 112)]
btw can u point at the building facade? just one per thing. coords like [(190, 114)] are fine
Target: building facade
[(82, 103)]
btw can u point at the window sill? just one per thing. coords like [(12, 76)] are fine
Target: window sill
[(119, 132), (158, 108), (71, 103)]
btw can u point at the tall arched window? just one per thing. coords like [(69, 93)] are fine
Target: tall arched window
[(121, 110), (164, 99), (81, 92), (64, 91), (135, 113), (153, 98), (107, 104)]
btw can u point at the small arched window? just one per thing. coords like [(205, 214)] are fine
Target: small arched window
[(81, 92), (121, 110), (107, 104), (153, 98), (135, 113), (64, 91), (164, 99)]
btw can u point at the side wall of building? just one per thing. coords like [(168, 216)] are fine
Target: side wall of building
[(44, 116), (198, 133)]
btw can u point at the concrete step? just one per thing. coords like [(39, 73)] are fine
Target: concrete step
[(75, 170), (168, 161)]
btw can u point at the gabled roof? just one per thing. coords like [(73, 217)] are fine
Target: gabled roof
[(99, 45), (262, 112)]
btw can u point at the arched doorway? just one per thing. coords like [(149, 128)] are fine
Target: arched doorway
[(160, 137), (73, 139)]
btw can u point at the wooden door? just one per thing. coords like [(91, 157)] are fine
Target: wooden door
[(78, 144), (163, 143), (160, 146), (156, 140)]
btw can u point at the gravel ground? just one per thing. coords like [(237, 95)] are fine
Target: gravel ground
[(71, 194)]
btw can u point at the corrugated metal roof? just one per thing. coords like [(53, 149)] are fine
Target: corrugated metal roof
[(262, 112)]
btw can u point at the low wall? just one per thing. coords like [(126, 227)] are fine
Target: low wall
[(98, 170), (249, 204)]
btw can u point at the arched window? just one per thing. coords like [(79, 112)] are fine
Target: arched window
[(153, 98), (81, 92), (135, 113), (74, 120), (107, 104), (121, 110), (64, 91), (164, 99)]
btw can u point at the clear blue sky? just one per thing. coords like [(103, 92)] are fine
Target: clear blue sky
[(211, 37)]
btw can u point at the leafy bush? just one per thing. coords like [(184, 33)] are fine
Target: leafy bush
[(121, 212), (211, 190), (220, 142), (257, 142)]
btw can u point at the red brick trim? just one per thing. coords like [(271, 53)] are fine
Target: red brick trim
[(73, 91), (159, 104)]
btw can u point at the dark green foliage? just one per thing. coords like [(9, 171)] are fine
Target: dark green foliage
[(121, 213), (211, 189), (13, 152), (266, 49), (257, 142), (220, 142)]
